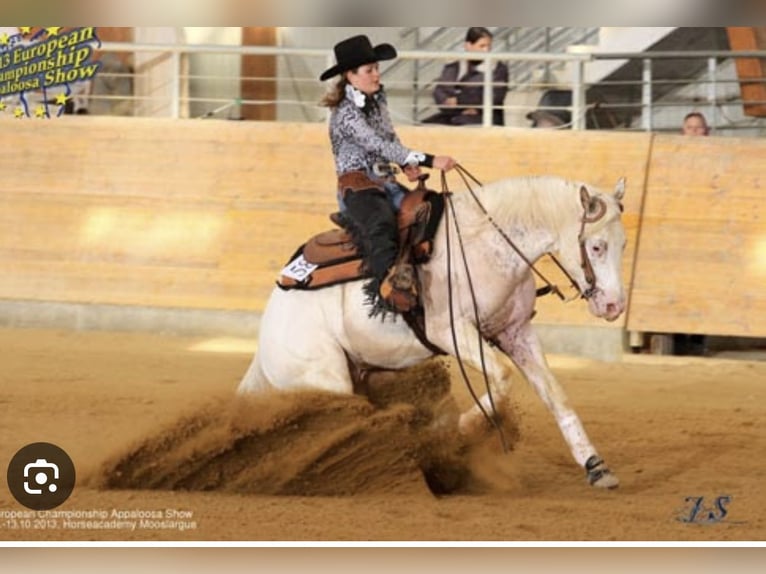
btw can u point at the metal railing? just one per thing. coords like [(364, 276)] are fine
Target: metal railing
[(639, 100), (714, 92), (545, 40)]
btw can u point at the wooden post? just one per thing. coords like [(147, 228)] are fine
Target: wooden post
[(751, 71), (259, 75)]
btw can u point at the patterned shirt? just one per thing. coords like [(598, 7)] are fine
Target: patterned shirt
[(362, 135)]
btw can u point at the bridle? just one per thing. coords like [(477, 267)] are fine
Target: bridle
[(589, 215)]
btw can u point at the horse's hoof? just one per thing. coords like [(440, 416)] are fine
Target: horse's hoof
[(599, 474), (607, 480)]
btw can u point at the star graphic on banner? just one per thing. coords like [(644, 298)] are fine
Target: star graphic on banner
[(53, 30), (2, 106), (4, 39), (25, 30), (18, 112), (61, 100), (40, 112)]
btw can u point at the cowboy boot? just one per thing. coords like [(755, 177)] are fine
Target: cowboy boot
[(399, 288)]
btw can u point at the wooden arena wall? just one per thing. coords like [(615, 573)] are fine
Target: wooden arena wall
[(203, 214), (701, 265)]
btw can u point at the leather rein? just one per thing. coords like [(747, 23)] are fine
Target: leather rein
[(549, 288)]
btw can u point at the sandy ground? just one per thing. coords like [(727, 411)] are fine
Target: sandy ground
[(153, 426)]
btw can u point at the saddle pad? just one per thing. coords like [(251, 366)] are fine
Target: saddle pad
[(301, 274)]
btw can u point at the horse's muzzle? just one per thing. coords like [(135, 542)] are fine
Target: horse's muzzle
[(608, 308)]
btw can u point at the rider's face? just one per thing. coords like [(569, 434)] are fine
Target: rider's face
[(365, 78)]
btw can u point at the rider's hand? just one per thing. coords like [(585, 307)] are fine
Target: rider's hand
[(412, 172), (444, 162)]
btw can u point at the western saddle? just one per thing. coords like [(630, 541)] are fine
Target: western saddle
[(331, 258)]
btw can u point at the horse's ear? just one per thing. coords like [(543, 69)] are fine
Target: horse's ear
[(619, 189), (594, 207), (584, 197)]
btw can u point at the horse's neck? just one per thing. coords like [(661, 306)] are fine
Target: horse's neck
[(532, 239), (482, 261)]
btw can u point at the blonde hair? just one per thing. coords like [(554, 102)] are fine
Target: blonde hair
[(337, 93)]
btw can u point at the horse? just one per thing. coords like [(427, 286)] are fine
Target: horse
[(484, 293)]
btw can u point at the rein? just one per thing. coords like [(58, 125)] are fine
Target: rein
[(549, 288), (590, 276), (491, 419)]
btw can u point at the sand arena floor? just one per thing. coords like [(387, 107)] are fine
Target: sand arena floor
[(152, 425)]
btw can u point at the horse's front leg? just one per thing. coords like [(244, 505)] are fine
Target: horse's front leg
[(523, 346), (498, 367)]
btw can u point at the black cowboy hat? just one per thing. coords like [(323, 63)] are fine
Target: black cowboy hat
[(357, 51)]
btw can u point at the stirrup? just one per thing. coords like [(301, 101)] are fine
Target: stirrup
[(399, 289)]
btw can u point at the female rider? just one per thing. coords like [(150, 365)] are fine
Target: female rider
[(364, 145)]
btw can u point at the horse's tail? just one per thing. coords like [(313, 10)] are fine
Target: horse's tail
[(255, 380)]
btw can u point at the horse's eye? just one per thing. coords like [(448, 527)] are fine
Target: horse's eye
[(599, 248)]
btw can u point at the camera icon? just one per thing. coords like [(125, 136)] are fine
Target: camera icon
[(38, 474), (45, 483)]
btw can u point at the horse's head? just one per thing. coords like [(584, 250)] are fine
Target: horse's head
[(599, 248)]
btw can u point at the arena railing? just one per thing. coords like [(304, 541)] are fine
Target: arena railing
[(650, 84)]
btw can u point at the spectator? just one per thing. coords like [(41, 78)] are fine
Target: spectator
[(459, 91), (695, 124), (552, 110), (112, 89), (77, 102)]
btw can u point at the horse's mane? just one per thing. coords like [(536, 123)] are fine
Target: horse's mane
[(550, 201)]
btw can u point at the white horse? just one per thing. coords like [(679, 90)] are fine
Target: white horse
[(307, 338)]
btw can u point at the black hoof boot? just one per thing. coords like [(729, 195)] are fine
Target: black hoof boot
[(599, 474)]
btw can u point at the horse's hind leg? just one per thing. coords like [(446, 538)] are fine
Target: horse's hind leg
[(318, 364), (329, 370), (254, 380), (297, 349)]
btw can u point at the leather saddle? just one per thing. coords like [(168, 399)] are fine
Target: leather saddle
[(331, 257)]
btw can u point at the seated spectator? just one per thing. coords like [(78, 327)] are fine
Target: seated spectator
[(460, 87), (77, 99), (552, 110), (112, 89)]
